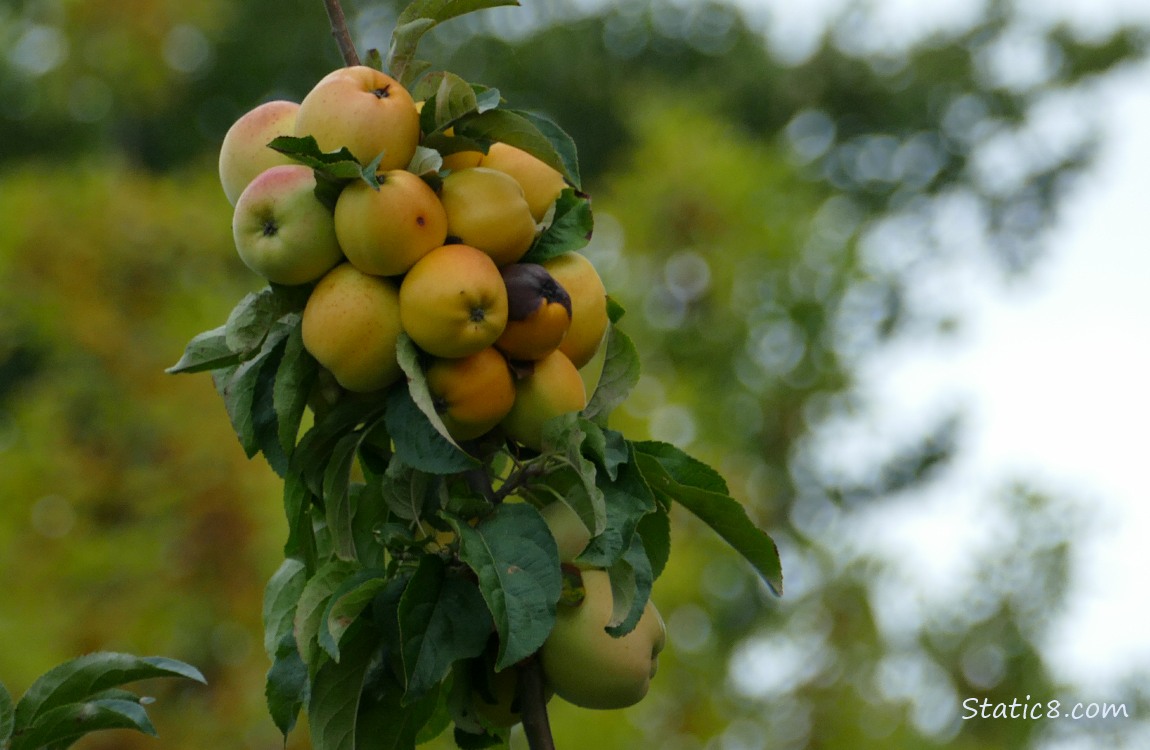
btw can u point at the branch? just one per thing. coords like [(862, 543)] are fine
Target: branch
[(341, 33), (533, 701)]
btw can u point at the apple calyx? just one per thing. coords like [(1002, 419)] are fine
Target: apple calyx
[(573, 589)]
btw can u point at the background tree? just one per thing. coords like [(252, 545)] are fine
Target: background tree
[(769, 227)]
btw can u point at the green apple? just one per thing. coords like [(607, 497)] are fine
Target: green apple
[(588, 667), (364, 110), (571, 535), (385, 230), (552, 387), (244, 154), (497, 699), (281, 230)]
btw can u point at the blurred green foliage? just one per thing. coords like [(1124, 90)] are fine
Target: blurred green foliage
[(767, 226)]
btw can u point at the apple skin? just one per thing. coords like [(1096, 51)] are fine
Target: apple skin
[(541, 183), (538, 312), (351, 326), (281, 230), (385, 231), (244, 153), (589, 319), (364, 110), (453, 302), (553, 387), (472, 394), (586, 666), (487, 209), (571, 535)]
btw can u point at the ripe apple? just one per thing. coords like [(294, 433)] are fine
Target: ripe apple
[(472, 394), (245, 153), (589, 319), (281, 230), (538, 312), (351, 326), (541, 182), (452, 302), (367, 111), (588, 667), (486, 209), (384, 231), (553, 387)]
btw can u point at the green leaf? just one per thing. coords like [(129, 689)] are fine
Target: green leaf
[(419, 17), (628, 500), (337, 501), (346, 604), (655, 529), (386, 723), (61, 726), (440, 623), (417, 442), (206, 351), (315, 448), (7, 715), (80, 678), (515, 557), (620, 374), (522, 130), (312, 607), (409, 494), (247, 393), (570, 228), (674, 475), (297, 501), (287, 686), (296, 374), (409, 361), (333, 705), (280, 598), (340, 165), (631, 582)]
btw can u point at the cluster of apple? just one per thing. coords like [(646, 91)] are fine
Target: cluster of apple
[(504, 339), (506, 344)]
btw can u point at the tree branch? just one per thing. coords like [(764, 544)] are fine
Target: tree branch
[(533, 702), (341, 33)]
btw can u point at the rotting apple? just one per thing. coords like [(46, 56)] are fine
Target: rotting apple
[(538, 312)]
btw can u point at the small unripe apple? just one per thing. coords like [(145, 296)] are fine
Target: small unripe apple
[(364, 110), (281, 229), (244, 153), (587, 666)]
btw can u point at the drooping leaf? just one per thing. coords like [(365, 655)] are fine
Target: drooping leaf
[(420, 17), (631, 582), (418, 443), (386, 723), (628, 500), (295, 376), (536, 135), (62, 725), (337, 501), (297, 501), (247, 390), (441, 620), (287, 686), (345, 605), (619, 376), (206, 351), (678, 477), (570, 228), (333, 704), (515, 557), (655, 529), (80, 678), (313, 601), (281, 596)]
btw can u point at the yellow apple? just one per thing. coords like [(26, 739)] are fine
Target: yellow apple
[(589, 320), (281, 229), (384, 231), (364, 110), (588, 667), (351, 326), (553, 387), (452, 302), (472, 394), (486, 209), (541, 183), (244, 152)]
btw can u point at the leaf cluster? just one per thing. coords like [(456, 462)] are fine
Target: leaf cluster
[(82, 696)]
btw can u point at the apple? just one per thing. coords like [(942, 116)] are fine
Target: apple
[(472, 394), (589, 319), (486, 209), (538, 312), (552, 386), (453, 302), (571, 535), (351, 326), (497, 699), (590, 668), (364, 110), (281, 230), (385, 230), (244, 153), (541, 182)]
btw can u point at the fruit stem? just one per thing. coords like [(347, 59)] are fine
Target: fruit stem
[(341, 33), (533, 695)]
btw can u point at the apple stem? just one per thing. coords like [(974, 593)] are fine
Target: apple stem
[(341, 33), (533, 697)]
